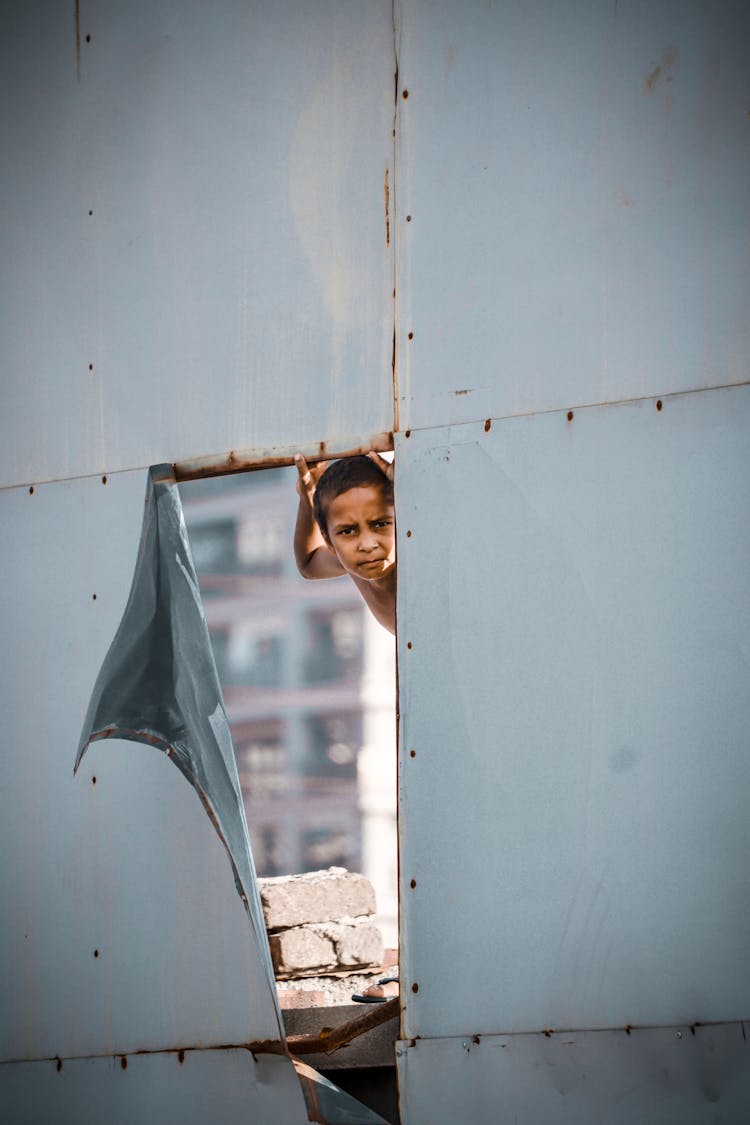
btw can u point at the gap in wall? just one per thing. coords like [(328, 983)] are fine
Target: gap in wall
[(309, 684)]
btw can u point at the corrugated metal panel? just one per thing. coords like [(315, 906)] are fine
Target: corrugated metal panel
[(195, 254), (123, 930), (574, 619), (653, 1076), (572, 189)]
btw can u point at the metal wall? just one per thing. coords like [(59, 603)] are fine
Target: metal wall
[(196, 260), (204, 220), (572, 187), (195, 235)]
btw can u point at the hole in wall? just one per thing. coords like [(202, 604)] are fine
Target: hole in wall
[(308, 679)]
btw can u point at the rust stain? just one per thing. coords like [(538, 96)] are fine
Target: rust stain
[(331, 1039), (394, 375), (387, 193), (663, 71), (251, 461)]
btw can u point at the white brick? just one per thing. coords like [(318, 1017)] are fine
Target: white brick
[(327, 947), (317, 896)]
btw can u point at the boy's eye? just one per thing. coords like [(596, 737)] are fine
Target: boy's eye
[(346, 531)]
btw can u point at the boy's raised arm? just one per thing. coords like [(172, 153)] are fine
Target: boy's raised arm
[(313, 556)]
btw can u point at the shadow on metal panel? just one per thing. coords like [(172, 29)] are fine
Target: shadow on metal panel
[(158, 685)]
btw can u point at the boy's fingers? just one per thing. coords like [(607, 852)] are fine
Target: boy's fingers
[(302, 469), (383, 465)]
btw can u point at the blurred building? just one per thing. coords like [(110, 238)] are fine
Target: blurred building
[(309, 685)]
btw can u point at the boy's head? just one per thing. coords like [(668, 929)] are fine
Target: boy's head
[(353, 507)]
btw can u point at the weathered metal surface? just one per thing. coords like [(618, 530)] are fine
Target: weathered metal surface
[(655, 1076), (158, 685), (574, 622), (193, 1087), (572, 220), (195, 256), (247, 460), (122, 930)]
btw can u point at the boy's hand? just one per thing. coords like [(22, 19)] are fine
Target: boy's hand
[(308, 476), (386, 467)]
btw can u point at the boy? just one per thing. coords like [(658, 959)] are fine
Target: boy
[(346, 525)]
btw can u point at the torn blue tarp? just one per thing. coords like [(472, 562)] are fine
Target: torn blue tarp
[(158, 684)]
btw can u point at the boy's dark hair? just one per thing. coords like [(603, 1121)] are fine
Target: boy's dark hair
[(339, 477)]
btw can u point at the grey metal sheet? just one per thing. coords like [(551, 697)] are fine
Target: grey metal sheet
[(223, 1087), (572, 203), (194, 230), (158, 685), (653, 1076), (121, 929), (574, 623)]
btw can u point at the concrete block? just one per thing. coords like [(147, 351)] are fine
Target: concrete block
[(329, 947), (301, 950), (317, 896), (356, 944)]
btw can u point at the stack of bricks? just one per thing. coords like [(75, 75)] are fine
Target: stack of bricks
[(319, 923)]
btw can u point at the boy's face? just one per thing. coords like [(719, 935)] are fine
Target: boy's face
[(361, 529)]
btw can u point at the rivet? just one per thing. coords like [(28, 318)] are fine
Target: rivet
[(413, 883), (104, 480), (405, 94), (31, 490), (123, 1063), (415, 987), (658, 404), (408, 534), (408, 644), (570, 415), (411, 335), (407, 433), (408, 218), (412, 753), (487, 425)]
